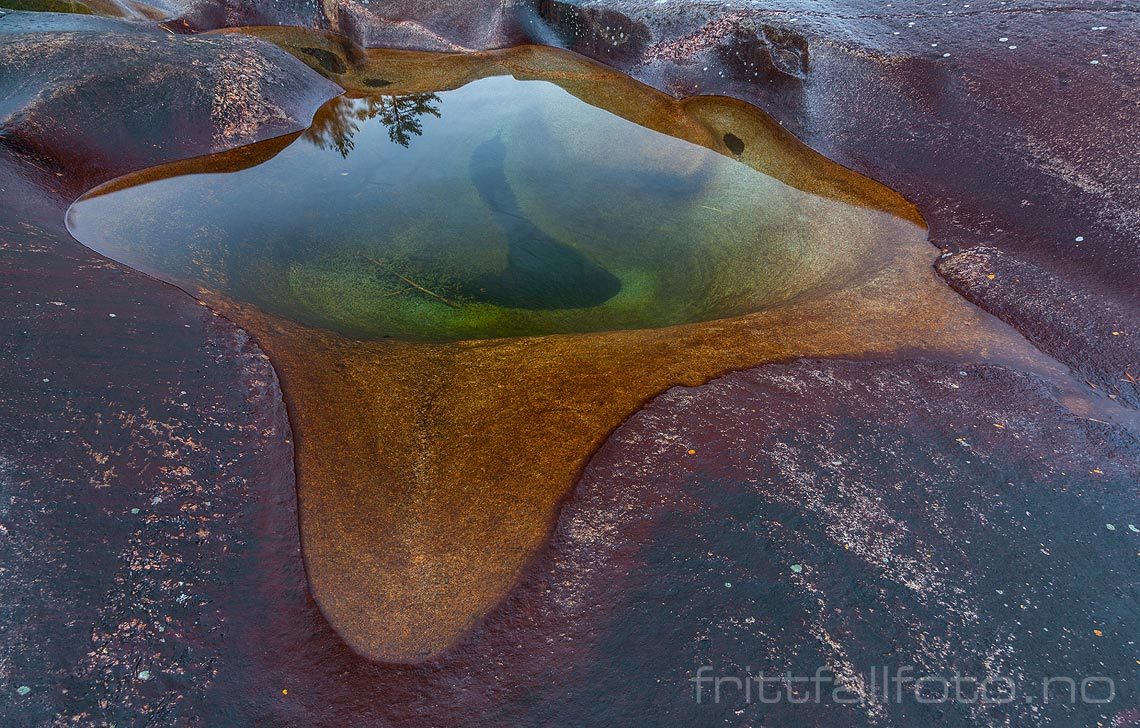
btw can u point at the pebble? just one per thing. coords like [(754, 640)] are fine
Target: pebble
[(797, 568), (144, 675), (23, 690), (1110, 527), (1080, 238)]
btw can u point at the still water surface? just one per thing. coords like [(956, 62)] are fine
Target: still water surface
[(505, 207)]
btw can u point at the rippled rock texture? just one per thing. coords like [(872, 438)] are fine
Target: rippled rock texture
[(947, 515)]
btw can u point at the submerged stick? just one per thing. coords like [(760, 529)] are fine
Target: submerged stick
[(410, 282)]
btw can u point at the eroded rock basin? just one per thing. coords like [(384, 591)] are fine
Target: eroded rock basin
[(503, 207), (468, 281)]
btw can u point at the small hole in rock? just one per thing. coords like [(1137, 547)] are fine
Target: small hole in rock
[(734, 144)]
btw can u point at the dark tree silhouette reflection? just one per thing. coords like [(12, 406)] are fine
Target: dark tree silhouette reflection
[(339, 120)]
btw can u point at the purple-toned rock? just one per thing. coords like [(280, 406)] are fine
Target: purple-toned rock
[(1092, 334), (90, 106), (145, 456), (838, 519), (825, 519), (856, 524)]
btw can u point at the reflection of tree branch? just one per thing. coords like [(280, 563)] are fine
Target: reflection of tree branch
[(337, 122)]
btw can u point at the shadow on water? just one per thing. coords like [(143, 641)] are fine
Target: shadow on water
[(504, 195), (541, 273)]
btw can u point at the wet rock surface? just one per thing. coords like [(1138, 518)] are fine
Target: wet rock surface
[(189, 96), (855, 515), (142, 441), (142, 438), (850, 514), (1095, 336), (937, 519)]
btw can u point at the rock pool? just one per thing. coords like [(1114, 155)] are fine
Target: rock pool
[(503, 207)]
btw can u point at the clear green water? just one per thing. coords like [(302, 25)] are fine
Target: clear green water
[(502, 208)]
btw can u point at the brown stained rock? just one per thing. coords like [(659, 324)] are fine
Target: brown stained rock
[(428, 475)]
